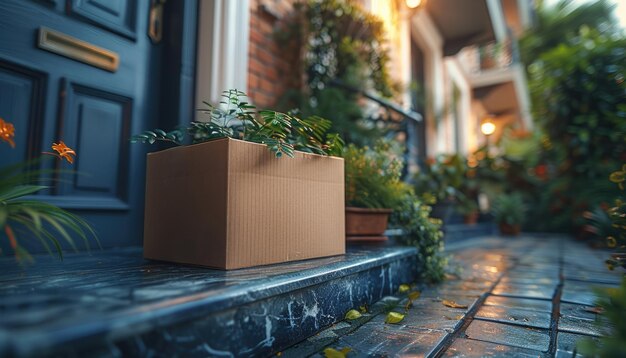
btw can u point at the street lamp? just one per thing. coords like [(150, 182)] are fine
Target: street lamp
[(413, 4), (487, 127)]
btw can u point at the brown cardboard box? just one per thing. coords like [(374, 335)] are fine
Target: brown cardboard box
[(230, 204)]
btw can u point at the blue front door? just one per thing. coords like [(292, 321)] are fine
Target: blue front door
[(84, 72)]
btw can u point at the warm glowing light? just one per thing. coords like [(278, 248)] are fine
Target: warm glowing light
[(487, 127), (413, 3)]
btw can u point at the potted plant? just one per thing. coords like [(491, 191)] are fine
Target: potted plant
[(469, 209), (509, 211), (228, 202), (373, 190), (440, 181)]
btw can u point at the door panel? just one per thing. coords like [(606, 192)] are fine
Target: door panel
[(116, 15), (21, 99), (97, 121), (50, 97)]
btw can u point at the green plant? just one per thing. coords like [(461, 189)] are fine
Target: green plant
[(612, 301), (412, 216), (373, 177), (557, 23), (599, 224), (442, 178), (283, 133), (616, 238), (575, 61), (20, 216), (509, 209), (337, 44), (467, 207), (23, 217)]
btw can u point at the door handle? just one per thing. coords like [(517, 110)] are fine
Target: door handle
[(155, 24)]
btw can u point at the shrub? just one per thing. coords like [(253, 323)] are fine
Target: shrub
[(423, 232), (373, 177)]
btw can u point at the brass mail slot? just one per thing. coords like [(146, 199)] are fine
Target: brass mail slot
[(78, 50)]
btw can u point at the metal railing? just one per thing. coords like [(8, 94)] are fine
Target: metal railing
[(400, 124), (490, 56)]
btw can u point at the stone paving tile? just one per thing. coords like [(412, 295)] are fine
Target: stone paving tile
[(581, 292), (527, 291), (467, 301), (580, 311), (583, 326), (508, 335), (442, 319), (524, 303), (521, 317), (515, 318), (470, 348), (551, 270), (465, 288), (379, 339), (605, 276), (529, 281), (566, 342)]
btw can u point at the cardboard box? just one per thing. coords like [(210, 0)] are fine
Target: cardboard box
[(230, 204)]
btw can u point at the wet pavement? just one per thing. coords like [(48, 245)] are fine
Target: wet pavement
[(525, 296)]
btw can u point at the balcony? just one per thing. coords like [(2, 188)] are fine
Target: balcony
[(498, 80)]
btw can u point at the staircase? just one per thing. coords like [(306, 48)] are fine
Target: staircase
[(115, 303)]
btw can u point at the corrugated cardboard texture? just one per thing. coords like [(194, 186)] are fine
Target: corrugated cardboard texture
[(186, 198), (232, 204), (292, 208)]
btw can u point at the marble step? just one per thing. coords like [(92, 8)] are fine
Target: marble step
[(114, 303)]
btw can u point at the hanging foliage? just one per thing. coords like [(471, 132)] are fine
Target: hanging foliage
[(339, 45)]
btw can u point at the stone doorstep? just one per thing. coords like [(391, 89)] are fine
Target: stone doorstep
[(115, 303)]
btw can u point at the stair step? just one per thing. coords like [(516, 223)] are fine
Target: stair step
[(114, 303), (458, 232)]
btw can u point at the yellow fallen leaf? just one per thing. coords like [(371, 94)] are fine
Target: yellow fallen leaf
[(414, 295), (394, 317), (404, 288), (353, 314), (333, 353), (455, 318), (363, 309), (452, 304)]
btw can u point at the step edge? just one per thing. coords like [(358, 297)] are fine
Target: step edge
[(175, 311)]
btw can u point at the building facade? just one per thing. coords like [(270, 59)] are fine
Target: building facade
[(457, 60)]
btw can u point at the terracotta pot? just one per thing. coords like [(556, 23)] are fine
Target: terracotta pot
[(471, 219), (366, 222), (487, 63), (510, 230)]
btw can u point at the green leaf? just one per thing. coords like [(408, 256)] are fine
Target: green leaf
[(4, 214), (19, 191), (404, 288)]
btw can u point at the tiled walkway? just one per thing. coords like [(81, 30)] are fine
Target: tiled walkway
[(525, 296)]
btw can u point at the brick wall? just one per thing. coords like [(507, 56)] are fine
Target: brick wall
[(270, 69)]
